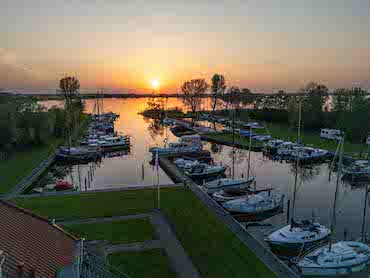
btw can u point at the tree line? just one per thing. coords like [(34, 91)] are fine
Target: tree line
[(345, 109), (24, 121)]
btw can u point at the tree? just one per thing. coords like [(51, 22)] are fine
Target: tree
[(218, 88), (234, 97), (69, 88), (316, 96), (193, 92)]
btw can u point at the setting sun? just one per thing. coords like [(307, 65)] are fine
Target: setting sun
[(155, 83)]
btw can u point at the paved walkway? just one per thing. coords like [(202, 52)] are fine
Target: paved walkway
[(105, 219), (127, 188), (168, 241), (176, 253), (134, 246)]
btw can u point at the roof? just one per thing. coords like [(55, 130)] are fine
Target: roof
[(30, 239)]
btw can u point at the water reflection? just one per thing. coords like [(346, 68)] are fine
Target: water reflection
[(306, 172), (155, 128)]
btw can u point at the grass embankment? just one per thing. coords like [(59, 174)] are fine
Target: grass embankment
[(150, 263), (116, 232), (227, 137), (23, 161), (213, 248)]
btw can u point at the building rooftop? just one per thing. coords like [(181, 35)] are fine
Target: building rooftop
[(29, 242)]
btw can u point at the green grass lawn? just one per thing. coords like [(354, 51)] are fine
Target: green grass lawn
[(15, 169), (87, 205), (132, 230), (147, 264), (213, 248)]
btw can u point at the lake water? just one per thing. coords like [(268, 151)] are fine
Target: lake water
[(315, 192)]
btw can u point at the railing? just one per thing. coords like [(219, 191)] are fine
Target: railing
[(94, 266)]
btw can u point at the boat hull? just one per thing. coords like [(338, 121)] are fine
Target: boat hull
[(243, 185), (327, 271), (290, 250)]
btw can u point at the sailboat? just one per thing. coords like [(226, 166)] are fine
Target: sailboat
[(292, 238), (228, 184), (340, 258)]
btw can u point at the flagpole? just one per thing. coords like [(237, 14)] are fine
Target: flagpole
[(157, 166)]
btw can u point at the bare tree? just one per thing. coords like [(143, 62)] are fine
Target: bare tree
[(193, 92)]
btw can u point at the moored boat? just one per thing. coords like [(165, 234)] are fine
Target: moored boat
[(204, 171), (344, 257), (308, 153), (255, 203), (227, 184), (290, 239), (186, 143), (359, 170)]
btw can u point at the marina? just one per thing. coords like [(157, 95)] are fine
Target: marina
[(112, 172)]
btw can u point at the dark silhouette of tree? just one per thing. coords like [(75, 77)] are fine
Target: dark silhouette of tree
[(69, 88), (218, 88), (316, 96), (193, 92)]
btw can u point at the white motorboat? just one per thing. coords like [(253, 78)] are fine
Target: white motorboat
[(286, 148), (113, 142), (181, 162), (344, 257), (308, 153), (77, 153), (205, 171), (272, 145), (256, 203), (297, 236), (262, 137), (227, 184), (186, 143)]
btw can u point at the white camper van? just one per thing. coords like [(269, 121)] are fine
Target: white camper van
[(331, 134)]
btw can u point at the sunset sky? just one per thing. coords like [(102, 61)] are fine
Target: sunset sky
[(264, 45)]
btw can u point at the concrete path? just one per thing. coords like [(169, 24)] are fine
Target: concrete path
[(126, 188), (105, 219), (133, 247), (168, 241), (180, 261)]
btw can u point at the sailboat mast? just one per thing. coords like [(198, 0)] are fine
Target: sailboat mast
[(233, 169), (250, 147), (297, 161), (364, 215), (333, 220)]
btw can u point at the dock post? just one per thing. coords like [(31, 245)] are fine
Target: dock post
[(288, 212)]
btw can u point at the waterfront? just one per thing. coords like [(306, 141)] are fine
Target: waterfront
[(315, 194)]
